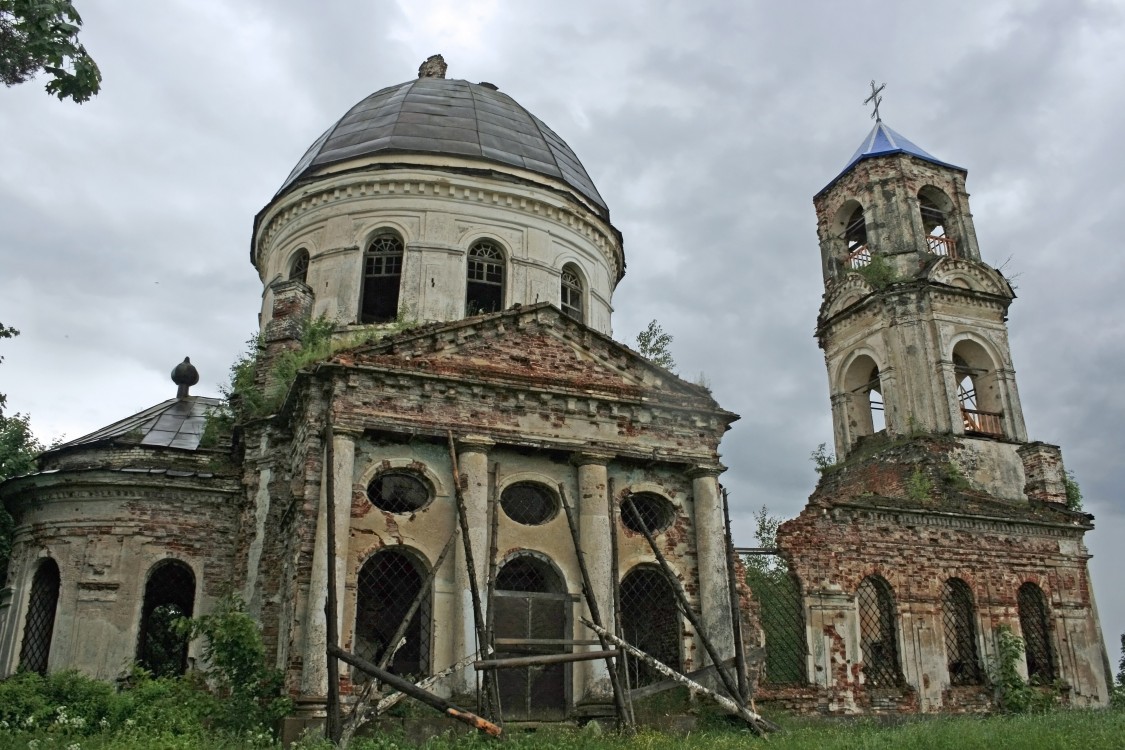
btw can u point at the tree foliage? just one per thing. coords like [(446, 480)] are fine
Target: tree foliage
[(653, 344), (42, 36)]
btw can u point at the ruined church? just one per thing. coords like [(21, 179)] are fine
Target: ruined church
[(476, 402)]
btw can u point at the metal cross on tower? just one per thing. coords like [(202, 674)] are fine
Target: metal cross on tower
[(876, 99)]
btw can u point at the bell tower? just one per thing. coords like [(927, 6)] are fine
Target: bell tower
[(913, 322)]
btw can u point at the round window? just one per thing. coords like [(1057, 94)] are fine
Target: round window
[(646, 510), (529, 503), (398, 492)]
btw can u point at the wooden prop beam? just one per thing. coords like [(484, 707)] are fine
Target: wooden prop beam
[(536, 661), (410, 689), (759, 724), (462, 520), (735, 609), (332, 723)]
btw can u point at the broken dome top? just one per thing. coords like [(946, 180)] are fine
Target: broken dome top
[(436, 115)]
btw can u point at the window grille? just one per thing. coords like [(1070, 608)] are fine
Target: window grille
[(300, 268), (398, 492), (1036, 634), (572, 294), (529, 503), (169, 596), (382, 274), (653, 511), (39, 625), (650, 620), (388, 583), (878, 637), (781, 613), (958, 617), (484, 291)]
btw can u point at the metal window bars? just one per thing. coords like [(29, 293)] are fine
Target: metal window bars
[(1036, 630), (650, 620), (169, 597), (878, 636), (958, 617), (39, 625), (781, 615), (529, 503), (387, 585)]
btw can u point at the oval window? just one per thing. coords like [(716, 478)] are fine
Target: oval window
[(653, 511), (529, 503), (398, 492)]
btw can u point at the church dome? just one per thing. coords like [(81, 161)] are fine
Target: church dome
[(433, 115)]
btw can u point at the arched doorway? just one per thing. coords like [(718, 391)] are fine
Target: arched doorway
[(530, 604), (169, 597)]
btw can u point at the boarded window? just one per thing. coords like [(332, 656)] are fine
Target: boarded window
[(650, 620), (572, 293), (387, 585), (1036, 634), (959, 620), (39, 625), (531, 604), (169, 597), (878, 637), (782, 617), (484, 288), (382, 275)]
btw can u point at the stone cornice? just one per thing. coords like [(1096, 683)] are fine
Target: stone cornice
[(437, 183), (969, 521)]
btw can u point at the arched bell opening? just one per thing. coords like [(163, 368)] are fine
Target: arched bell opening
[(978, 390)]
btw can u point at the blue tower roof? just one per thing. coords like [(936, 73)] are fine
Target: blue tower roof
[(881, 141)]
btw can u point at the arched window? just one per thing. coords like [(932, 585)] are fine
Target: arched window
[(572, 296), (878, 633), (39, 624), (299, 266), (169, 597), (858, 254), (530, 603), (484, 289), (1036, 629), (382, 276), (650, 620), (864, 389), (978, 393), (388, 585), (959, 620), (934, 207)]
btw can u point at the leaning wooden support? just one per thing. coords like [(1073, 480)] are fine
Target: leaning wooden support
[(735, 609), (488, 682), (656, 688), (595, 614), (758, 723), (685, 605), (538, 661), (332, 724), (615, 577), (387, 702), (410, 689)]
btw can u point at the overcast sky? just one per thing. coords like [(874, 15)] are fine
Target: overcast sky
[(707, 126)]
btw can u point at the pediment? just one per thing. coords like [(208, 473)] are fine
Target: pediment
[(535, 346), (851, 289), (968, 274)]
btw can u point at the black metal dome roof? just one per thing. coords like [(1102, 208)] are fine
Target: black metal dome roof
[(452, 117)]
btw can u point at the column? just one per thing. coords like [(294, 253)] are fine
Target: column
[(314, 674), (711, 551), (596, 549), (472, 460)]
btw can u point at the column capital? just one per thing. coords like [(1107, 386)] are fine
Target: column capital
[(351, 433), (708, 470), (591, 458), (474, 444)]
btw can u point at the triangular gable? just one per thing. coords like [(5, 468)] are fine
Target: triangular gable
[(534, 345)]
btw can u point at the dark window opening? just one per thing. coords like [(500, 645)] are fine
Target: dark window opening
[(382, 276), (387, 586), (855, 240), (976, 392), (572, 294), (484, 290), (39, 624), (878, 639), (529, 574), (645, 510), (933, 225), (1036, 634), (169, 597), (959, 622), (529, 503), (398, 492), (299, 269), (650, 620)]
